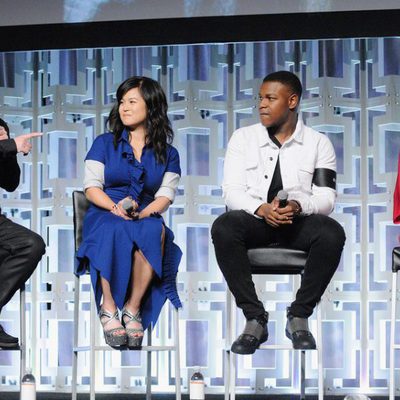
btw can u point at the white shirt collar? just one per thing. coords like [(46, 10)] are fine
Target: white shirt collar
[(264, 139)]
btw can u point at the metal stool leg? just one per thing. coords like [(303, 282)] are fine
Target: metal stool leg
[(392, 337), (92, 355), (228, 353), (177, 356), (232, 366), (22, 317), (148, 374), (302, 374), (76, 332), (320, 353)]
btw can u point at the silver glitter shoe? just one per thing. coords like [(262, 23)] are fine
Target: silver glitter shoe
[(133, 339), (110, 337)]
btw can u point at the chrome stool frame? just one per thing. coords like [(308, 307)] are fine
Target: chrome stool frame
[(272, 260)]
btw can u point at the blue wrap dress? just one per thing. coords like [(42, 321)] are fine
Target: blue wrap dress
[(109, 241)]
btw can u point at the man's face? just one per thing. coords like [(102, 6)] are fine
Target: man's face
[(3, 133), (276, 101)]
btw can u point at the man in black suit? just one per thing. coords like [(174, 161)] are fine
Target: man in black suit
[(20, 248)]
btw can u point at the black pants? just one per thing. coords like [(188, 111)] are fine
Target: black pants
[(20, 251), (236, 231)]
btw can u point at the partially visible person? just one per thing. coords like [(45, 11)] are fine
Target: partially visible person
[(280, 153), (131, 175), (20, 248), (396, 196)]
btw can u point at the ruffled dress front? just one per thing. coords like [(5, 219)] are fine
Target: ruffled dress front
[(109, 241)]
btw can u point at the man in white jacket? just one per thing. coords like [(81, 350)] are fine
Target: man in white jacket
[(280, 153)]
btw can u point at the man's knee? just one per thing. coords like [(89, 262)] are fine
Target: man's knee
[(333, 232), (225, 225), (36, 245)]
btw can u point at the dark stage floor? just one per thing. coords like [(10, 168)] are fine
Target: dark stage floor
[(67, 396)]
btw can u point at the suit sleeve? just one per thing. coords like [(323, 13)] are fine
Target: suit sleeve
[(9, 168)]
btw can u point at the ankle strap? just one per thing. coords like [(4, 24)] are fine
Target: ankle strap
[(136, 317), (109, 315)]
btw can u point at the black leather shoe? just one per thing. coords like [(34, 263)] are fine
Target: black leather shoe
[(7, 340), (255, 332), (298, 332)]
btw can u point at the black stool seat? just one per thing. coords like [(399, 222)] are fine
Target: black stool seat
[(276, 260), (396, 259), (80, 206)]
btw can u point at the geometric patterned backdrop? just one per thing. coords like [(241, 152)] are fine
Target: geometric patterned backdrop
[(352, 94)]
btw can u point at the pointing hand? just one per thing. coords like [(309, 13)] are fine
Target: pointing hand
[(23, 144)]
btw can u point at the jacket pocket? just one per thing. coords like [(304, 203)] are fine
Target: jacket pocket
[(251, 172)]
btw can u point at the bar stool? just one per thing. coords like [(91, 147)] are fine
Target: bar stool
[(393, 345), (272, 260), (80, 206), (22, 327)]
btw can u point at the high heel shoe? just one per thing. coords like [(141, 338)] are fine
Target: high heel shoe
[(109, 336), (133, 339)]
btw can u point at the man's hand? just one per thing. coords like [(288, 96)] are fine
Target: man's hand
[(23, 144), (3, 133), (275, 216)]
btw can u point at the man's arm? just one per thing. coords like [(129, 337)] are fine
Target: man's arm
[(9, 168), (322, 199), (234, 184)]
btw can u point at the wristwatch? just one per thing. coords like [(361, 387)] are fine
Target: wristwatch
[(297, 211)]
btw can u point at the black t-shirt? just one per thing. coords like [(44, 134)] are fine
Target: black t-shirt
[(276, 183)]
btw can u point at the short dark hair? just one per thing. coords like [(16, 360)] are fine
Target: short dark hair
[(286, 78), (5, 126), (158, 125)]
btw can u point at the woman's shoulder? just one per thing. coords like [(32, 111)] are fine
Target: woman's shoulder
[(172, 151), (103, 139), (100, 145)]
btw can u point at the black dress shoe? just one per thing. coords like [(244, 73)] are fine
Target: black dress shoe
[(255, 332), (298, 332), (7, 340)]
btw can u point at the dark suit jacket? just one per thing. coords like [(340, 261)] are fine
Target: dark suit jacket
[(9, 168)]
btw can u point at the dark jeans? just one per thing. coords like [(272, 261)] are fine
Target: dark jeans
[(236, 231), (20, 251)]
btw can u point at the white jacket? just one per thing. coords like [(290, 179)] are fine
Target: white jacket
[(250, 163)]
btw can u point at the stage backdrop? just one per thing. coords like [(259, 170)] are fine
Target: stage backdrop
[(351, 94)]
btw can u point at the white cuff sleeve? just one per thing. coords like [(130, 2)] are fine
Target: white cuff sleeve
[(94, 174), (168, 186)]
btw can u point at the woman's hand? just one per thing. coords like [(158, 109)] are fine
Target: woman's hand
[(126, 208)]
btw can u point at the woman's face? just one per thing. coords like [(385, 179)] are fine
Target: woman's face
[(132, 109)]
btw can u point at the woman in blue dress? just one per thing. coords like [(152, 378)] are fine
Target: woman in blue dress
[(131, 175)]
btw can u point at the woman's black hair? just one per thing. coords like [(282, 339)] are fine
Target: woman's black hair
[(158, 126)]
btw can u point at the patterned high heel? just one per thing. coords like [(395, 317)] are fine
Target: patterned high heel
[(131, 333), (109, 336)]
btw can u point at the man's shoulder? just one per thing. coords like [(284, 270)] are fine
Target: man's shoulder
[(249, 133), (249, 129), (314, 135)]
